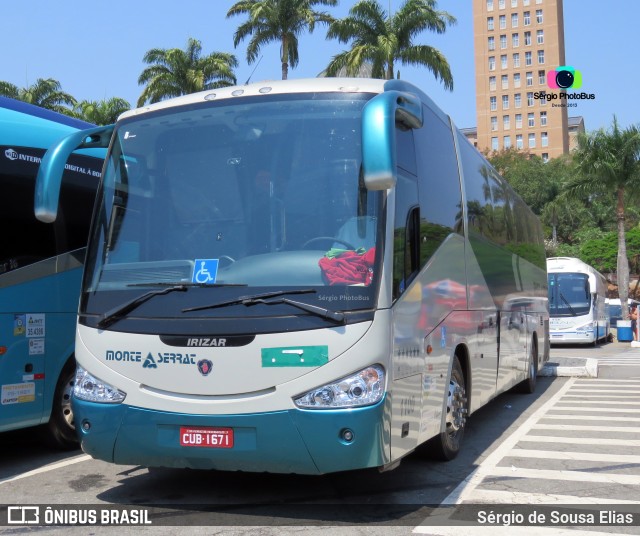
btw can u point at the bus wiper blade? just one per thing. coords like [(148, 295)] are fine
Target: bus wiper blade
[(336, 316), (250, 300), (573, 313), (117, 313), (173, 283)]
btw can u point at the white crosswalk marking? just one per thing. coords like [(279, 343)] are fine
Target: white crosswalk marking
[(581, 442)]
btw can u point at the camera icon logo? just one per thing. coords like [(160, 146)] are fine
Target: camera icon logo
[(564, 77)]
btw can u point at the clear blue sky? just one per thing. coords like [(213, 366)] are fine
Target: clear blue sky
[(95, 49)]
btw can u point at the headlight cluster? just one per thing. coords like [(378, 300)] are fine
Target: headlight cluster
[(363, 388), (91, 389)]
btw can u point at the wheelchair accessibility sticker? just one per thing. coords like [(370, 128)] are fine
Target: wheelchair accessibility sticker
[(205, 271)]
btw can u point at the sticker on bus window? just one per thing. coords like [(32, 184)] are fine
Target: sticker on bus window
[(205, 271), (19, 325), (36, 325), (36, 346), (18, 393)]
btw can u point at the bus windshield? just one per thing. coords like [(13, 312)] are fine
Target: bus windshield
[(231, 199), (569, 294)]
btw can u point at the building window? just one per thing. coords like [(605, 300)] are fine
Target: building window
[(494, 143), (525, 2), (492, 83), (489, 5), (514, 20), (492, 63), (515, 40), (519, 144), (494, 123), (505, 81), (543, 119), (540, 37), (493, 103), (503, 42), (541, 57), (492, 43), (545, 157), (514, 3), (489, 23), (516, 80), (519, 121), (543, 102), (505, 102), (529, 78), (531, 122), (544, 139), (507, 142), (527, 38), (503, 22), (528, 60), (517, 100), (501, 4), (532, 140), (506, 122), (503, 61), (542, 77), (526, 16), (539, 16), (530, 98), (516, 60)]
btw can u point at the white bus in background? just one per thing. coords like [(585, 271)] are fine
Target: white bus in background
[(577, 302)]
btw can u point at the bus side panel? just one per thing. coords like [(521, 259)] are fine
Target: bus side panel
[(37, 324)]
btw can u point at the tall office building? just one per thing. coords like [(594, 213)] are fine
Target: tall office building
[(517, 43)]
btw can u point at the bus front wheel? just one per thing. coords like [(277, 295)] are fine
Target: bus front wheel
[(446, 445), (61, 430)]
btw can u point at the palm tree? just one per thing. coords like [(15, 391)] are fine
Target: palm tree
[(384, 40), (104, 112), (279, 21), (46, 93), (610, 161), (174, 72)]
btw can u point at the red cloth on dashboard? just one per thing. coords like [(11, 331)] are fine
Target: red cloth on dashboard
[(349, 268)]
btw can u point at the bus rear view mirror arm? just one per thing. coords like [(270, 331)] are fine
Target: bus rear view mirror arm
[(52, 168), (379, 118)]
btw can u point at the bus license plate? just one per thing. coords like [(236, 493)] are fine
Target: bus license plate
[(213, 438)]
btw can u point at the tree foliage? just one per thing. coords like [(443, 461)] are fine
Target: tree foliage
[(174, 72), (384, 40), (46, 93), (277, 21)]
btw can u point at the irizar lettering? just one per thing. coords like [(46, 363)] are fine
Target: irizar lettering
[(207, 341)]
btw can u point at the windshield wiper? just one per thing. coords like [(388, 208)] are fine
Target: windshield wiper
[(117, 313), (336, 316), (573, 313), (250, 300), (172, 283)]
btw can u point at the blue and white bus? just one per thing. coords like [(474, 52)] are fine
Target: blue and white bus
[(577, 302), (298, 277), (40, 272)]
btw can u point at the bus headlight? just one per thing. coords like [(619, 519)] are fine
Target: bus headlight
[(91, 389), (363, 388)]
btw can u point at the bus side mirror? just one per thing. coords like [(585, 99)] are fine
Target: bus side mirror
[(379, 117), (52, 167)]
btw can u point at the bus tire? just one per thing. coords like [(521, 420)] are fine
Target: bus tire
[(446, 445), (61, 430), (528, 386)]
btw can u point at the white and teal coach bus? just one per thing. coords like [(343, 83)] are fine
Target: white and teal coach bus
[(40, 272), (305, 276)]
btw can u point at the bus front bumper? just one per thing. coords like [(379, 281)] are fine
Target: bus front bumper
[(290, 441)]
